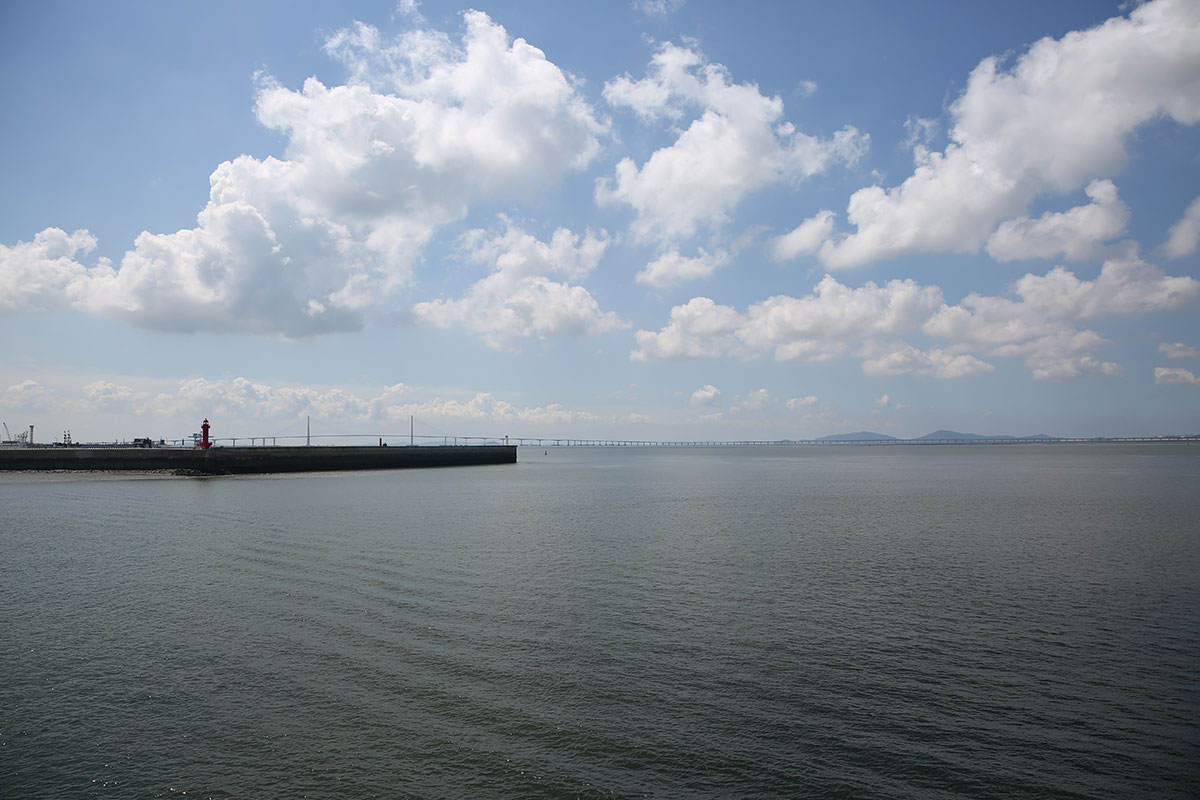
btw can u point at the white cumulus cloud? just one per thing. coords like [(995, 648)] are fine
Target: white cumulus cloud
[(518, 299), (755, 400), (1178, 350), (672, 268), (307, 244), (1053, 122), (706, 395), (1167, 376), (836, 321), (658, 8), (28, 395), (1076, 234), (1040, 324), (821, 326), (807, 237), (1185, 234), (43, 275), (698, 329), (738, 143), (899, 358), (801, 403)]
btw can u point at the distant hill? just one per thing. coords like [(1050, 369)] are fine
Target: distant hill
[(945, 434), (976, 437), (859, 436), (939, 435)]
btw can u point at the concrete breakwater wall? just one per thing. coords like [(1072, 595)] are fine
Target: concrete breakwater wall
[(251, 460)]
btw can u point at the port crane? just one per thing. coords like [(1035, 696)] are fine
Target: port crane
[(23, 437)]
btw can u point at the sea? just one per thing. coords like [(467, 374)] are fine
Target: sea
[(974, 621)]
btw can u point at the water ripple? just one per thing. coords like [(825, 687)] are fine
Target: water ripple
[(941, 623)]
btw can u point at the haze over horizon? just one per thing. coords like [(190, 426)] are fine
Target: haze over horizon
[(659, 220)]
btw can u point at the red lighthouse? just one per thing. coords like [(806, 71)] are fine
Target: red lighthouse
[(204, 443)]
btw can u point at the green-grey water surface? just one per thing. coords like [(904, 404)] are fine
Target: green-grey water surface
[(970, 621)]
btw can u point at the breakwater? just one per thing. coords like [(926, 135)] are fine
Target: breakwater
[(251, 460)]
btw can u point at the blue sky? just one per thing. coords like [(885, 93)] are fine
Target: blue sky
[(663, 220)]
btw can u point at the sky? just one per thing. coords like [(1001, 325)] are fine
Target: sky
[(657, 220)]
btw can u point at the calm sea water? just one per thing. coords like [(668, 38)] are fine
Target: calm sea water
[(939, 622)]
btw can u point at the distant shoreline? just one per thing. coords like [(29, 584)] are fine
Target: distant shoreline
[(599, 443)]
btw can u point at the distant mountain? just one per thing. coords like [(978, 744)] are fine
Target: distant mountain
[(859, 436), (974, 437), (945, 434), (939, 435)]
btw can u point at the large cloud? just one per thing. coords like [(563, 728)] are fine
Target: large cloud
[(1058, 119), (737, 144), (838, 321), (1076, 233), (518, 299), (44, 275), (900, 358), (821, 326), (1039, 324), (699, 328), (305, 244)]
